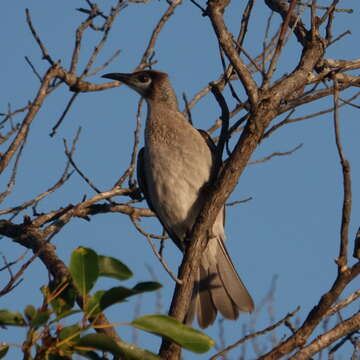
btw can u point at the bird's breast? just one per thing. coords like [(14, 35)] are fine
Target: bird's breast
[(178, 165)]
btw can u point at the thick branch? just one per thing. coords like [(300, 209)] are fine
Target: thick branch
[(321, 342)]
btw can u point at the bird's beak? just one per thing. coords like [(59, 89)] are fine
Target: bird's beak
[(125, 78)]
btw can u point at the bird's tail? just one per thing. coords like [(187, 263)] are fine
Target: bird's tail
[(217, 287)]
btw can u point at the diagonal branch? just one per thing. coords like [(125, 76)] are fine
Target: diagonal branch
[(321, 342), (32, 112), (44, 51), (215, 11), (346, 210)]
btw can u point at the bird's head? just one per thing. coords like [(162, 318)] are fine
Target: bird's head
[(151, 84)]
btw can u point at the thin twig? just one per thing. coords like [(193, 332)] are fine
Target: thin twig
[(280, 44), (62, 117), (329, 11), (245, 22), (232, 203), (349, 11), (33, 68), (12, 180), (8, 265), (165, 17), (203, 10), (255, 334), (64, 177), (277, 153), (153, 248), (187, 108), (107, 27), (347, 32), (45, 53), (341, 304), (158, 294), (346, 210), (72, 162), (104, 65), (289, 120)]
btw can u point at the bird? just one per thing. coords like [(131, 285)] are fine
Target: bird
[(174, 169)]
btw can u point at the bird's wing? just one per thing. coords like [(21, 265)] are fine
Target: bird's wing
[(141, 178), (140, 171), (212, 146)]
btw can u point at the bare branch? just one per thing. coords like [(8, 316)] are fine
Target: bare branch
[(215, 11), (12, 180), (341, 304), (345, 327), (346, 210), (280, 43), (349, 11), (45, 53), (277, 153), (63, 179), (24, 128), (34, 239), (62, 117), (33, 68), (289, 120), (169, 11), (245, 22), (315, 316), (255, 334), (104, 65), (157, 254), (232, 203)]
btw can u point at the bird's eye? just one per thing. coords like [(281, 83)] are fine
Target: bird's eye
[(144, 78)]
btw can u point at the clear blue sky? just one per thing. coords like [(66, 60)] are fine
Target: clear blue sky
[(289, 229)]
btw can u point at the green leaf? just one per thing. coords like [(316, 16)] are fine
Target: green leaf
[(72, 333), (115, 295), (90, 355), (132, 352), (30, 312), (65, 300), (3, 350), (183, 335), (11, 318), (65, 314), (40, 319), (98, 342), (103, 299), (113, 268), (147, 286), (105, 343), (92, 306), (84, 269), (55, 356)]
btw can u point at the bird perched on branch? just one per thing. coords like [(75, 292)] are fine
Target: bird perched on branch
[(173, 169)]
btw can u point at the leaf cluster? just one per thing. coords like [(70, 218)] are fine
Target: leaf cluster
[(48, 338)]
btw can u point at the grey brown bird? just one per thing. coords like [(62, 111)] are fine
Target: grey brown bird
[(174, 167)]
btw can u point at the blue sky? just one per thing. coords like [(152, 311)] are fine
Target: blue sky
[(289, 229)]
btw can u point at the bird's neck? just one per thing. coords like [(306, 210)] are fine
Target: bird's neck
[(162, 123)]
